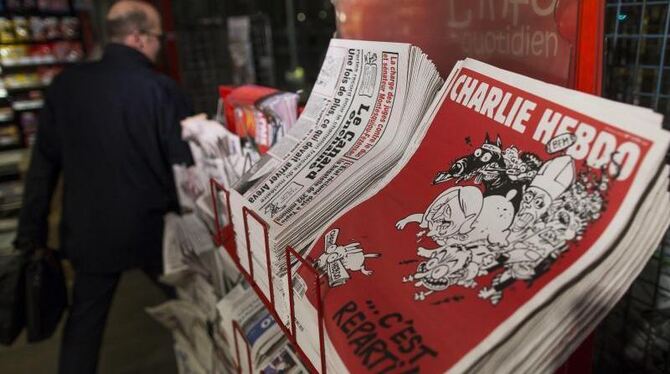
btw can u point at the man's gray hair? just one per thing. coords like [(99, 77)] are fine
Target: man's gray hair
[(135, 20)]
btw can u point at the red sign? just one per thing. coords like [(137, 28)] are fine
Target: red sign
[(537, 38)]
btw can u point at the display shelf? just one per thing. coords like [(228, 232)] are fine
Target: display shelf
[(225, 237), (33, 42), (7, 176), (11, 157), (36, 13), (10, 147), (9, 165), (27, 105), (237, 330), (8, 224), (7, 209), (32, 87), (32, 64), (292, 253)]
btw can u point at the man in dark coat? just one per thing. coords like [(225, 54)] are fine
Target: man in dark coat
[(112, 129)]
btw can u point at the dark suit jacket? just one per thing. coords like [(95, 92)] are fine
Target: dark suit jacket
[(112, 128)]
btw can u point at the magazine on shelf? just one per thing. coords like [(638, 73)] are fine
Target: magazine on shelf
[(510, 220), (509, 212)]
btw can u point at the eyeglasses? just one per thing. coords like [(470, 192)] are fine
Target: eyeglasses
[(160, 36)]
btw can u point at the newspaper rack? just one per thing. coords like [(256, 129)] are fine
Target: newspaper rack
[(225, 237), (238, 331)]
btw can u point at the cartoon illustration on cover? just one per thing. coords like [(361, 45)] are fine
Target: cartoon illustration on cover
[(515, 217), (338, 260)]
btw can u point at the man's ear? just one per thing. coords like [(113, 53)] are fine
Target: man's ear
[(134, 39)]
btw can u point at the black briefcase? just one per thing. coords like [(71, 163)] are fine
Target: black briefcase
[(12, 305), (45, 294)]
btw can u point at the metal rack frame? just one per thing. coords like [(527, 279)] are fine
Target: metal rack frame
[(224, 237)]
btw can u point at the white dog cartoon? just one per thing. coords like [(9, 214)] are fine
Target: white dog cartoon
[(338, 260)]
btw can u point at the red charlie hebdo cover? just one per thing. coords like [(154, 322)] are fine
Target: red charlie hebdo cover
[(508, 198)]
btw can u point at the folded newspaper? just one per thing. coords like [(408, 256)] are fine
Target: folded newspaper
[(485, 224), (268, 347), (188, 249), (189, 329), (211, 296)]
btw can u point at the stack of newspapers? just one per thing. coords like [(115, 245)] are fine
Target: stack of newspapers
[(201, 274), (365, 106), (263, 346), (212, 299), (218, 154), (211, 293), (486, 223), (224, 156)]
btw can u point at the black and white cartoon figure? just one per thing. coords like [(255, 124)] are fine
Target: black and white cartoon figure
[(476, 165), (461, 215), (493, 221), (553, 178), (449, 266), (543, 241), (468, 229), (465, 257), (451, 213), (338, 260), (527, 215), (500, 171)]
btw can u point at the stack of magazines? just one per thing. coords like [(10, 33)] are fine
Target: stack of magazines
[(487, 223), (367, 103)]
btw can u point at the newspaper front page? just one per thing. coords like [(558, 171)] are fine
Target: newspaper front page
[(516, 190)]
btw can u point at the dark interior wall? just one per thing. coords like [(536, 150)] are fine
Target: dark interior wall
[(197, 51), (200, 31), (297, 52)]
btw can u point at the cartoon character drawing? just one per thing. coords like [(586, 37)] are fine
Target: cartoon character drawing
[(338, 260), (553, 178), (456, 265), (469, 229), (462, 215), (493, 221), (476, 165), (451, 213), (543, 242), (499, 171), (527, 216)]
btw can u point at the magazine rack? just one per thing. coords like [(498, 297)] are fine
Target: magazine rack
[(238, 331), (583, 72), (290, 252), (219, 237), (225, 238)]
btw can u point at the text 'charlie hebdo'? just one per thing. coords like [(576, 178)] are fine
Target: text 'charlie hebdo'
[(593, 143)]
